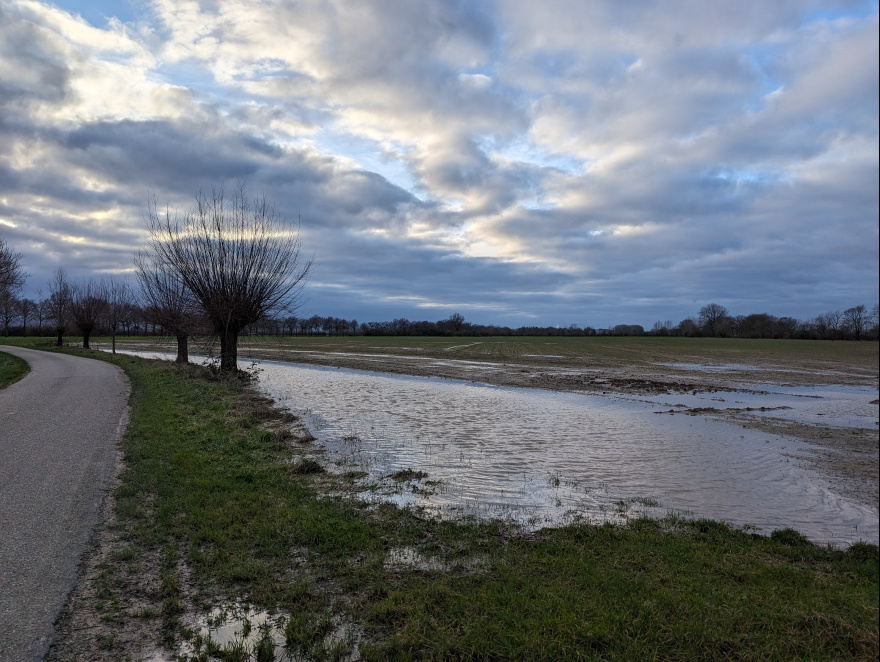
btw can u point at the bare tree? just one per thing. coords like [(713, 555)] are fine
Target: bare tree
[(855, 318), (834, 319), (27, 309), (786, 327), (60, 295), (9, 307), (11, 274), (167, 302), (711, 318), (820, 324), (238, 259), (88, 305), (11, 279), (42, 311), (118, 299)]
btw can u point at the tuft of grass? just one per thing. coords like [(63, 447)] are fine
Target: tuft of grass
[(107, 642), (790, 538), (406, 475), (12, 368), (307, 466)]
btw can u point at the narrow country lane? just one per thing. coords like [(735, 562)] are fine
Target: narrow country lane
[(59, 433)]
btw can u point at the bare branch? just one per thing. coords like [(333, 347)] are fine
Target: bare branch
[(237, 258)]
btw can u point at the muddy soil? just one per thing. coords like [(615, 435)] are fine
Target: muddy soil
[(95, 626)]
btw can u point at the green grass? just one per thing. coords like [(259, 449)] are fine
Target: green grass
[(12, 369), (211, 486)]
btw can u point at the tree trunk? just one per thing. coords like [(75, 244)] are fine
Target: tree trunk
[(86, 336), (228, 349), (60, 341), (182, 349)]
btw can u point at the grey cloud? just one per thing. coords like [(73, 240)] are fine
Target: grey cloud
[(40, 73), (759, 204), (161, 154)]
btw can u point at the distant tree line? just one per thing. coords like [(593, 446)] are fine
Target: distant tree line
[(89, 306), (713, 320), (162, 304)]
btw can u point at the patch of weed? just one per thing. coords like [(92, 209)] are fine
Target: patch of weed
[(307, 466), (12, 368), (407, 475)]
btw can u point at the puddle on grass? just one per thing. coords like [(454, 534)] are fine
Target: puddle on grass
[(408, 558), (239, 632), (541, 457)]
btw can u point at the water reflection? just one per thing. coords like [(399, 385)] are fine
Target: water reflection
[(544, 457)]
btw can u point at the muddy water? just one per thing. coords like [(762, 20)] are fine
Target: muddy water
[(838, 406), (548, 457)]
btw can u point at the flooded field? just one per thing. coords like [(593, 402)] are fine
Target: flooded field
[(544, 457), (453, 447), (840, 406)]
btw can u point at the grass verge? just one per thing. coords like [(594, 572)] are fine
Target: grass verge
[(12, 369), (220, 501)]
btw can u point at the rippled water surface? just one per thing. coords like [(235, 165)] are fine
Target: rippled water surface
[(543, 457)]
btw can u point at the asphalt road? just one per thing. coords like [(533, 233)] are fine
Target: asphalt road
[(59, 433)]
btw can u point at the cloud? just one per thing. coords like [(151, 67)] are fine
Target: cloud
[(560, 162)]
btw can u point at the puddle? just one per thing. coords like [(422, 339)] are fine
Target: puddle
[(467, 365), (542, 457), (239, 631), (546, 356), (740, 367), (243, 633), (407, 558)]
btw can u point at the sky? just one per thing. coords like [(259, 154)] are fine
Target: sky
[(565, 162)]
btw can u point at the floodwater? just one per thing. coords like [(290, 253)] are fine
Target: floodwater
[(542, 457), (839, 406)]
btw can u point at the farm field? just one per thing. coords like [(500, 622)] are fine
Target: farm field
[(626, 363), (634, 367)]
